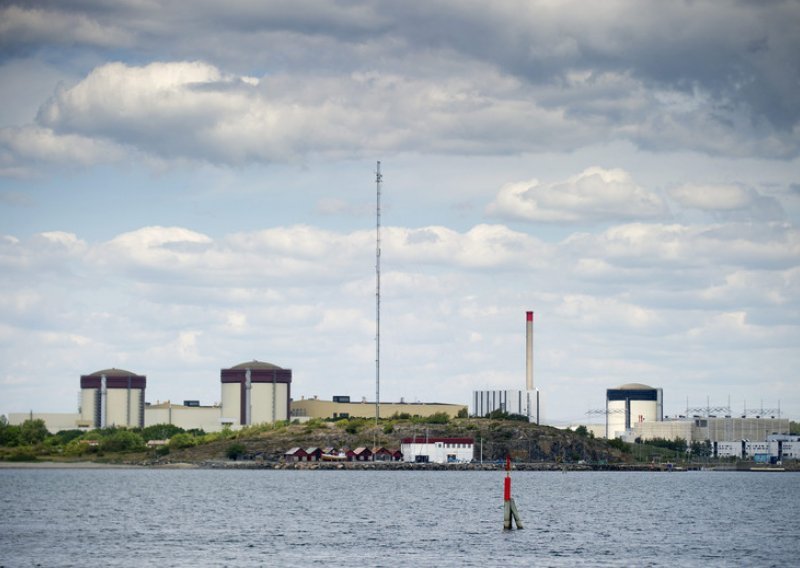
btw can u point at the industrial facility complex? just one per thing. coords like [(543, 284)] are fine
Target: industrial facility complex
[(522, 402), (256, 392), (253, 392)]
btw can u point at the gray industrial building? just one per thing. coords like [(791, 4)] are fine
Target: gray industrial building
[(711, 428)]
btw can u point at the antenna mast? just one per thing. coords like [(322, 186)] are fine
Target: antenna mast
[(378, 179)]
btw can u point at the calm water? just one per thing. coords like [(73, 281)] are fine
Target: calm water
[(136, 517)]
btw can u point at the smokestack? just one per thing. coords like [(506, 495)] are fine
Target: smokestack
[(529, 351)]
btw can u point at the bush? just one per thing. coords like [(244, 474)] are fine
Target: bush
[(182, 440), (438, 418), (619, 444), (77, 447), (463, 413), (676, 445), (582, 431), (22, 454), (354, 425), (122, 441), (314, 424), (235, 451)]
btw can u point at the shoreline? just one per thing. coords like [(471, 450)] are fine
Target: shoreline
[(381, 466), (90, 465)]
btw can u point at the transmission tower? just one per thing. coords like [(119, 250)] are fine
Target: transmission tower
[(378, 179)]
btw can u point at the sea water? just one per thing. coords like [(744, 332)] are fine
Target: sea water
[(155, 517)]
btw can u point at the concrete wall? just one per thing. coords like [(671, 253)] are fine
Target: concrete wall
[(268, 402), (616, 418), (55, 422), (232, 402), (88, 397), (644, 411), (122, 407), (315, 408), (667, 430), (187, 417)]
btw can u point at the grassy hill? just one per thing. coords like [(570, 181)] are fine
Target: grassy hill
[(497, 438)]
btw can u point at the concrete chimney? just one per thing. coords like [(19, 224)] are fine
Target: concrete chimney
[(529, 351)]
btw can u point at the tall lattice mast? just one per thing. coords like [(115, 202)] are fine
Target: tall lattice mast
[(378, 179)]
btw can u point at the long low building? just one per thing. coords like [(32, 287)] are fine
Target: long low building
[(54, 421), (341, 407), (187, 416), (437, 450), (713, 429), (776, 448)]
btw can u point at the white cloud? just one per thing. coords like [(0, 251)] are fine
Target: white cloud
[(178, 305), (37, 144), (606, 313), (729, 201), (712, 197), (596, 194), (736, 244)]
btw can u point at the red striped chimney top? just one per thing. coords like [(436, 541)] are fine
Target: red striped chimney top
[(530, 316)]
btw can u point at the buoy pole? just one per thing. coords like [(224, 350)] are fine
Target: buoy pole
[(509, 507)]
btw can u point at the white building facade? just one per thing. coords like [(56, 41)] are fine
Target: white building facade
[(778, 448), (631, 404), (437, 450)]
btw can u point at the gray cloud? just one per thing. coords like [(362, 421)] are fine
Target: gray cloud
[(719, 80), (729, 201)]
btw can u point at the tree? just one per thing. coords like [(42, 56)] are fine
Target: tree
[(701, 449), (160, 432), (64, 437), (33, 431), (9, 434), (463, 413)]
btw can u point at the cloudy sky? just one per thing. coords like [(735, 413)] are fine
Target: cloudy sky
[(188, 185)]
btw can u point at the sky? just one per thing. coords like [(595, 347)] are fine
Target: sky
[(185, 186)]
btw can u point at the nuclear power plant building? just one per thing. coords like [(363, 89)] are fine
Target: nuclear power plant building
[(255, 392), (251, 393), (632, 403), (112, 397)]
